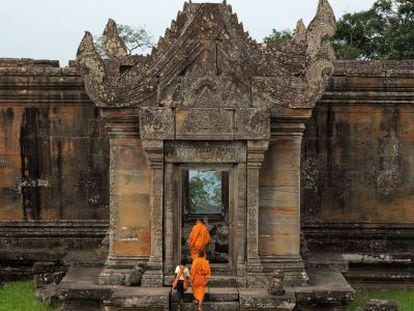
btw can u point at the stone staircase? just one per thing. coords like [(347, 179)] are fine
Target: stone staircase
[(217, 299), (79, 290), (221, 295), (214, 281)]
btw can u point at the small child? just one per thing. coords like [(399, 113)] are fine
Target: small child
[(183, 273)]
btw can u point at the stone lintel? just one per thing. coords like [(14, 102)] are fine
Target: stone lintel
[(166, 123)]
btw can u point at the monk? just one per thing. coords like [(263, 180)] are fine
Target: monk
[(200, 273), (199, 239)]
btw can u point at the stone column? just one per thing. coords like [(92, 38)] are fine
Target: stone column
[(280, 198), (129, 231), (170, 218), (154, 276), (255, 155)]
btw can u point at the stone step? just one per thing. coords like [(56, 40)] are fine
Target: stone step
[(222, 281), (215, 281), (213, 294), (209, 306)]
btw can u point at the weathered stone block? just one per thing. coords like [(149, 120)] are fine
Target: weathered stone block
[(132, 182), (380, 305)]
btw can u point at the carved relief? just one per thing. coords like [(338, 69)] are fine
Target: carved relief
[(205, 152), (204, 123), (252, 123), (206, 60), (156, 123)]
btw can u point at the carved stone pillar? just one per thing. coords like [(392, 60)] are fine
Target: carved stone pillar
[(154, 150), (129, 231), (280, 197), (255, 156), (170, 217)]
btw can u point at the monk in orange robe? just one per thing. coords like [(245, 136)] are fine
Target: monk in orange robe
[(199, 239), (200, 273)]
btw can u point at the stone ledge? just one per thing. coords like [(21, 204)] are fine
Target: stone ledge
[(19, 62), (374, 68), (259, 299), (326, 288), (52, 235), (361, 238)]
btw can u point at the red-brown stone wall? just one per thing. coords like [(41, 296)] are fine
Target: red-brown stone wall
[(358, 148), (54, 156), (357, 162)]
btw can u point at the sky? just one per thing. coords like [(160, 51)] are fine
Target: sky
[(52, 29)]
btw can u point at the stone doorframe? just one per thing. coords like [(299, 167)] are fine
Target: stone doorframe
[(229, 156), (175, 208), (180, 136), (244, 159)]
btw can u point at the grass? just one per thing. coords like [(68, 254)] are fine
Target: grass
[(20, 296), (404, 298)]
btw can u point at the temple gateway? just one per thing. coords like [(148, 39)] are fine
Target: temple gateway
[(300, 165), (208, 99)]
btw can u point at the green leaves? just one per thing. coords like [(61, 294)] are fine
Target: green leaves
[(205, 191), (279, 36), (385, 31)]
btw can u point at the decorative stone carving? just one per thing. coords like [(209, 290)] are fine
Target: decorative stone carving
[(113, 45), (205, 152), (212, 62), (135, 276), (156, 123), (204, 123), (252, 123), (276, 283)]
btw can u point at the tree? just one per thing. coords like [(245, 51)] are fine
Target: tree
[(385, 31), (205, 189), (277, 37), (137, 39)]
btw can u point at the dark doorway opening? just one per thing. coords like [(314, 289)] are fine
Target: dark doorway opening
[(205, 195)]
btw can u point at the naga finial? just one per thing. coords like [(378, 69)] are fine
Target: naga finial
[(113, 45)]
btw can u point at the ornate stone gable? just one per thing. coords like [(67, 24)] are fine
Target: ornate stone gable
[(206, 59)]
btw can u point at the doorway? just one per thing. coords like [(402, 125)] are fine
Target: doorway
[(205, 194)]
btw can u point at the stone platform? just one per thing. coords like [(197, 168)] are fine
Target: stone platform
[(328, 290)]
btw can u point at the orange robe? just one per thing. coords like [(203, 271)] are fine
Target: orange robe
[(199, 238), (200, 273)]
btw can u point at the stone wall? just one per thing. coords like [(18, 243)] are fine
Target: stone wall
[(53, 151), (357, 160), (357, 163)]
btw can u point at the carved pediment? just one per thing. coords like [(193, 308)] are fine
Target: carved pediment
[(207, 60)]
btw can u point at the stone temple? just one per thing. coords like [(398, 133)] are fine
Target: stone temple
[(305, 162)]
